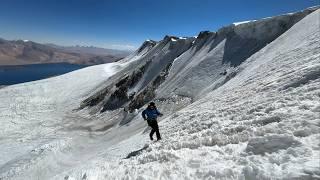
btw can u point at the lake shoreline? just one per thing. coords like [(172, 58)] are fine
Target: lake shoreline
[(10, 75), (45, 63)]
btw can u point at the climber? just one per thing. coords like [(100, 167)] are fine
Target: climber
[(150, 114)]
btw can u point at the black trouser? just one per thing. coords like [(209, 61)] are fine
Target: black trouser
[(155, 128)]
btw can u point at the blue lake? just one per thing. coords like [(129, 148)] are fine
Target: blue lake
[(24, 73)]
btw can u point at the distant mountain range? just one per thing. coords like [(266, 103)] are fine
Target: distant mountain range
[(239, 103), (28, 52), (91, 50)]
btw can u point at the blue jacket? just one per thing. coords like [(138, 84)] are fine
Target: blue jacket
[(150, 113)]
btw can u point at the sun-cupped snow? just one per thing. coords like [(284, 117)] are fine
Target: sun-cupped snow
[(262, 124), (238, 104)]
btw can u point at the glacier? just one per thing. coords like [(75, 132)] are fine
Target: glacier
[(239, 103)]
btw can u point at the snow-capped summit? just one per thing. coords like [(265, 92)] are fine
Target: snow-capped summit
[(239, 103)]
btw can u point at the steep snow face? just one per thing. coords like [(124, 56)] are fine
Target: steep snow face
[(262, 124), (161, 56), (212, 60), (134, 86), (187, 68), (145, 47), (255, 110)]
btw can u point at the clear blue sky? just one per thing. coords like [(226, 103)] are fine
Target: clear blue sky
[(127, 23)]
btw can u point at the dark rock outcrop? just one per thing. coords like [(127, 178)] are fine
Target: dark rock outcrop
[(149, 92), (201, 64), (120, 96)]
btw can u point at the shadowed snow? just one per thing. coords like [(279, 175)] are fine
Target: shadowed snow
[(256, 120)]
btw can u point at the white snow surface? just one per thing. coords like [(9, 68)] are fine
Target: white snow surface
[(37, 116), (242, 22), (262, 124), (172, 39)]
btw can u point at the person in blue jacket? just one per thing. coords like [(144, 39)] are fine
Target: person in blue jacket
[(150, 114)]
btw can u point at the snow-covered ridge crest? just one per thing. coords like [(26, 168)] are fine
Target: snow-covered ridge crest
[(261, 124), (250, 128), (251, 21), (242, 22), (186, 67), (236, 107), (214, 56), (132, 88)]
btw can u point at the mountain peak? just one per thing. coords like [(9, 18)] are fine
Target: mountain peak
[(146, 44)]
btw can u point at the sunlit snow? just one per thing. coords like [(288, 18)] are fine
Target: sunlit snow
[(263, 122)]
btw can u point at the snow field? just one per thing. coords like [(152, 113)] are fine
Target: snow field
[(262, 124)]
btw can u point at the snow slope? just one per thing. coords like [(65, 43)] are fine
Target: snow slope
[(35, 117), (184, 69), (200, 69), (262, 124), (258, 121)]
